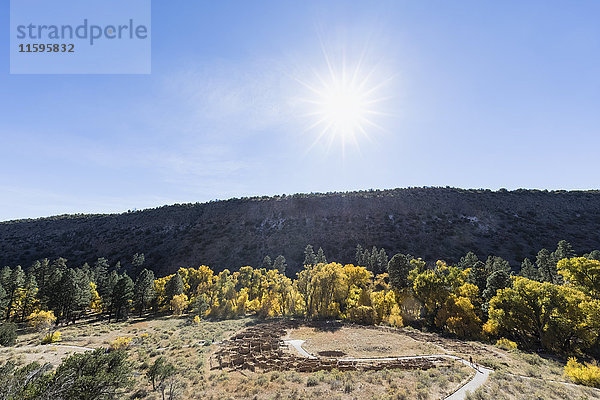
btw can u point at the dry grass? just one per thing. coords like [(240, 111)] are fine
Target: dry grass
[(503, 386), (361, 342), (188, 346)]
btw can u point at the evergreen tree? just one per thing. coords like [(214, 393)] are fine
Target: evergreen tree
[(29, 294), (200, 305), (100, 271), (267, 263), (494, 263), (359, 255), (309, 256), (60, 264), (84, 295), (280, 264), (546, 266), (398, 268), (12, 286), (594, 255), (321, 259), (67, 292), (382, 261), (137, 262), (374, 260), (122, 297), (3, 301), (497, 280), (5, 276), (143, 291), (174, 287), (563, 250), (478, 276), (468, 260), (106, 289), (118, 267), (529, 270)]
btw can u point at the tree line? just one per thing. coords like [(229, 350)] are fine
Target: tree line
[(552, 303)]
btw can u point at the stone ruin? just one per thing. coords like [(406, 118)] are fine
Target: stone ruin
[(261, 348)]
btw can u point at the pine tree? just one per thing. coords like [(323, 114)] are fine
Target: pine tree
[(174, 287), (309, 256), (106, 289), (280, 264), (398, 268), (84, 295), (137, 262), (497, 280), (42, 270), (546, 266), (12, 285), (478, 276), (494, 263), (594, 255), (321, 259), (563, 250), (468, 260), (373, 260), (67, 292), (529, 271), (100, 271), (267, 263), (28, 299), (122, 297), (359, 255), (382, 261), (118, 267), (143, 291), (3, 301)]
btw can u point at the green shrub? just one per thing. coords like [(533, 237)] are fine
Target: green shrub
[(312, 381), (8, 334)]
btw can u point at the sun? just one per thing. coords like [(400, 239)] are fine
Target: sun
[(343, 103)]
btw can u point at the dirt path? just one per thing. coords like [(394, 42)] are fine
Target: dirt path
[(481, 373), (68, 346)]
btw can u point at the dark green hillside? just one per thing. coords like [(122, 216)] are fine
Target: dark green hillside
[(427, 222)]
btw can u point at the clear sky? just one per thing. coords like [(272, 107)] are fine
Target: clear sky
[(467, 94)]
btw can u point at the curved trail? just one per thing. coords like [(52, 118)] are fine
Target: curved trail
[(481, 373)]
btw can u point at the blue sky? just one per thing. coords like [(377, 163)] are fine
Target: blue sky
[(473, 94)]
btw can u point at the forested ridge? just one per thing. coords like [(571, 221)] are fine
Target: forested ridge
[(434, 223)]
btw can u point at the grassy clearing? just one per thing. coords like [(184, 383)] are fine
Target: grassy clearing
[(361, 342)]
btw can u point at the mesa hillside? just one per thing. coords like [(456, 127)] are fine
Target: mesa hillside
[(432, 223)]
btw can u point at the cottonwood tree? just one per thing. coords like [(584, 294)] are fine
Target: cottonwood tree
[(583, 273)]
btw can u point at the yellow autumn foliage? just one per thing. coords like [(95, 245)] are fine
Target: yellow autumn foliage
[(584, 374)]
